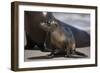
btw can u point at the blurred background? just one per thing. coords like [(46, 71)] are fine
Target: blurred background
[(80, 21)]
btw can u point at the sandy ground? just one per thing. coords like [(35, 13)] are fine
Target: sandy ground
[(37, 55)]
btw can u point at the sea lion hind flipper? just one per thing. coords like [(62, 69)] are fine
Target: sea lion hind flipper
[(80, 54)]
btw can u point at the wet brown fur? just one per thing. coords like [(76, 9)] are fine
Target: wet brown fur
[(59, 38)]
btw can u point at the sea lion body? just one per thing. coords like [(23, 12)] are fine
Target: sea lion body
[(59, 38)]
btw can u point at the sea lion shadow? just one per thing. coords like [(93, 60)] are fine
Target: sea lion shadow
[(55, 56)]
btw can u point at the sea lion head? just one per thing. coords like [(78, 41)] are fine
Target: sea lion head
[(49, 25)]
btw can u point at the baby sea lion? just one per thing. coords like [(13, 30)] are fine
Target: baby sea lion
[(59, 38)]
